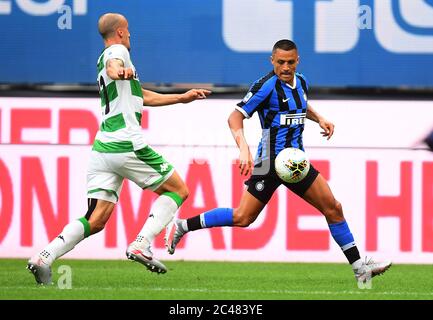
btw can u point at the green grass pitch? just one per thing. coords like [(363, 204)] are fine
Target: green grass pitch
[(101, 279)]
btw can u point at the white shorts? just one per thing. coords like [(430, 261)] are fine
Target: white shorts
[(106, 172)]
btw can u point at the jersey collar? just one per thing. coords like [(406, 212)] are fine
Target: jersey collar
[(295, 80)]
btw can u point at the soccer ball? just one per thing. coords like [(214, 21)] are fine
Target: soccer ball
[(292, 165)]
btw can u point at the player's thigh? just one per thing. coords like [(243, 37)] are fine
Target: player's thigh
[(147, 168), (319, 195), (261, 186), (248, 210)]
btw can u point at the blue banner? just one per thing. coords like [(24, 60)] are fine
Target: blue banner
[(368, 43)]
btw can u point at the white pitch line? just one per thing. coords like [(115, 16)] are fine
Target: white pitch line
[(202, 290), (363, 291)]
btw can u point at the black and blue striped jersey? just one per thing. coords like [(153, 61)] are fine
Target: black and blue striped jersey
[(282, 110)]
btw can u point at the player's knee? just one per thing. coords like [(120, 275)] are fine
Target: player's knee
[(338, 208), (334, 213), (183, 192), (244, 223), (240, 219), (99, 219)]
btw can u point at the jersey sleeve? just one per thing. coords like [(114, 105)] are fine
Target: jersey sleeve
[(116, 52), (252, 100)]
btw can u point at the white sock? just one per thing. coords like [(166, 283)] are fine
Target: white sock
[(161, 214), (357, 264), (71, 235)]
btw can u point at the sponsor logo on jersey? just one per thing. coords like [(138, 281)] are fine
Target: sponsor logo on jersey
[(292, 119)]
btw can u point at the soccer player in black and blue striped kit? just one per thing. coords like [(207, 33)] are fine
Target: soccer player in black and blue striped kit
[(280, 100)]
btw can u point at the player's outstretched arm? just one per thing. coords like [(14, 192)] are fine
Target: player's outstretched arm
[(154, 99), (327, 126), (236, 124)]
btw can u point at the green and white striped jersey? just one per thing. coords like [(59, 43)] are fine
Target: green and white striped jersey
[(121, 104)]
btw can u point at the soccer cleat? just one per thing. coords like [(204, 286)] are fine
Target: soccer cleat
[(146, 259), (41, 271), (370, 269), (174, 235)]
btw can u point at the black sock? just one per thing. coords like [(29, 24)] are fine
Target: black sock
[(352, 254), (194, 223)]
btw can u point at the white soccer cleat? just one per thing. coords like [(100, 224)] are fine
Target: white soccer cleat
[(370, 269), (40, 270), (145, 257), (174, 235)]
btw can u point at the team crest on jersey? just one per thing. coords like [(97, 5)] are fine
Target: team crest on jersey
[(260, 185), (247, 97), (292, 119)]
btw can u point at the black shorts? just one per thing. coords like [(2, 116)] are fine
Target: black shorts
[(263, 183)]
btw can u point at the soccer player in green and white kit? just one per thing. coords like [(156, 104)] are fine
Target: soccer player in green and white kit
[(120, 152)]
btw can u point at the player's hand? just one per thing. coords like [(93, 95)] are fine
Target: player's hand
[(328, 128), (194, 94), (245, 161), (125, 73)]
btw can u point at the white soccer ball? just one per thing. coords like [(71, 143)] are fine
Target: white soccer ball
[(292, 165)]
